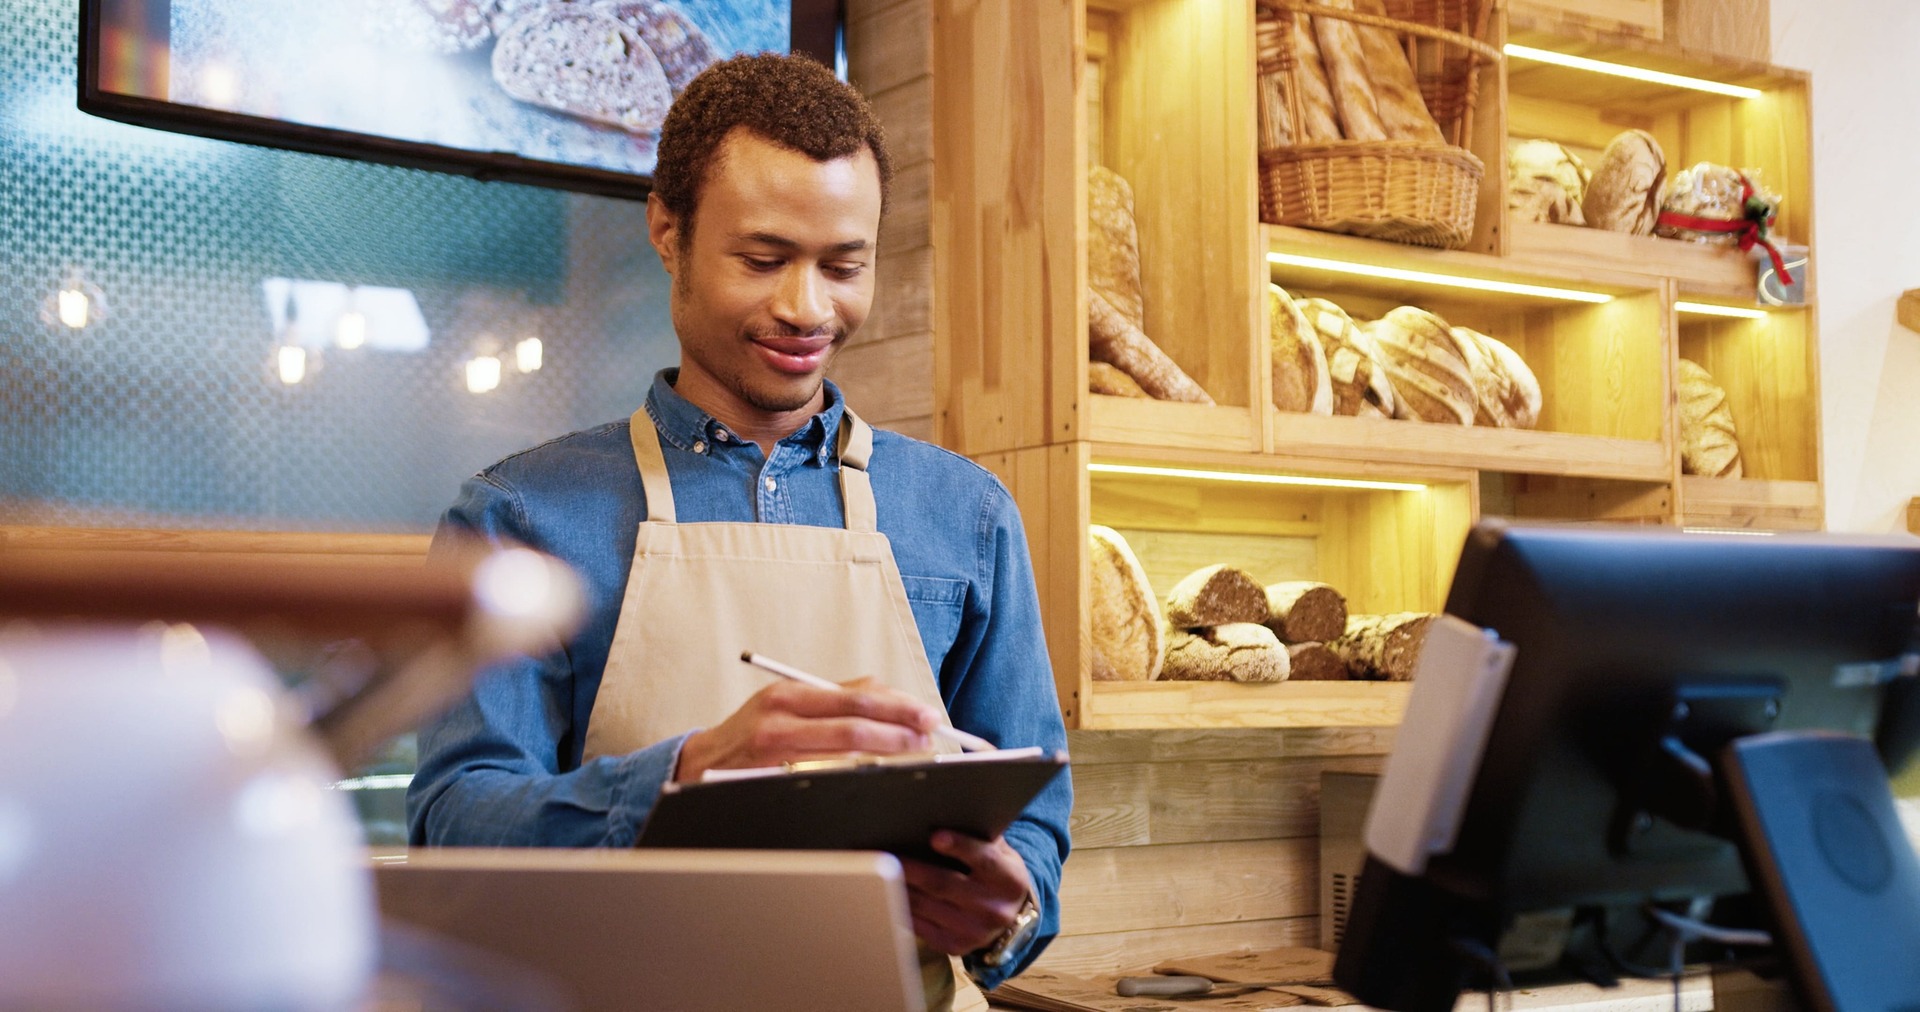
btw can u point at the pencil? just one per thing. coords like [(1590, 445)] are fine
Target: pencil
[(953, 735)]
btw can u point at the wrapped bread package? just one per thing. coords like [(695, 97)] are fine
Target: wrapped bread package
[(1708, 444), (1236, 652), (1216, 595), (1546, 182), (1507, 394), (1128, 640), (1626, 189), (1431, 379), (1354, 364), (1716, 205), (1301, 381)]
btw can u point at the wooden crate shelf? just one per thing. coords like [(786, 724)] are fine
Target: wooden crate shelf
[(1479, 448), (1187, 705), (1030, 96), (1707, 272), (1750, 504)]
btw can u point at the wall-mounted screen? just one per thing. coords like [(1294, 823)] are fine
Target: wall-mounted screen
[(563, 93)]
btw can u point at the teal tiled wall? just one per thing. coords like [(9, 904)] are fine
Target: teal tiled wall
[(168, 412)]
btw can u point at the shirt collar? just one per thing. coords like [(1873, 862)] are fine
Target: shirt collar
[(683, 423)]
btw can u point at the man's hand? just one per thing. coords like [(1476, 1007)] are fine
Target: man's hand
[(958, 912), (789, 722)]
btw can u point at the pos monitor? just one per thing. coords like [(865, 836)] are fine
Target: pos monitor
[(1621, 740)]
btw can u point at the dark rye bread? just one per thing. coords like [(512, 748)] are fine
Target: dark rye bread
[(1383, 648), (1216, 595), (1313, 662), (1306, 612), (681, 47), (584, 61)]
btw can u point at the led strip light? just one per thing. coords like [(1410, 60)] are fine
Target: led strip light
[(1256, 479), (1633, 73), (1443, 280)]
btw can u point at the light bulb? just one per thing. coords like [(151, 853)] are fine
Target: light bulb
[(75, 308), (351, 332), (529, 355), (293, 364), (483, 374)]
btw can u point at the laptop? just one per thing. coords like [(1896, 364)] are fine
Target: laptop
[(679, 930)]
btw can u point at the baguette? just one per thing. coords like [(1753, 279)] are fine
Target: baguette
[(1105, 378), (1321, 120), (1403, 111), (1111, 339), (1346, 64)]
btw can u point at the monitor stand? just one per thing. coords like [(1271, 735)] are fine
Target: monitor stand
[(1826, 854)]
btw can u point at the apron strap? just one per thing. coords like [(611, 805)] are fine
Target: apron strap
[(653, 467), (856, 489)]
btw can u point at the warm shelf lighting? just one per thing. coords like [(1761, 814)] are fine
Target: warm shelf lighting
[(1634, 73), (1739, 531), (1256, 479), (1709, 309), (1444, 280)]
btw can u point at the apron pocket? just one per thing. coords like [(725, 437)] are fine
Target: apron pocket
[(936, 604)]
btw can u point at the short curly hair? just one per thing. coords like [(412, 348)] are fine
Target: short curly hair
[(790, 100)]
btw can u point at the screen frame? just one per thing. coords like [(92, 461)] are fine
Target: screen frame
[(818, 30)]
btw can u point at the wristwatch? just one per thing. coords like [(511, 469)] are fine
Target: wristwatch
[(1025, 924)]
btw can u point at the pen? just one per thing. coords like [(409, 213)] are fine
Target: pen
[(961, 739)]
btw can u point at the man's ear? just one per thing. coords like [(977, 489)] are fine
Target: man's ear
[(663, 230)]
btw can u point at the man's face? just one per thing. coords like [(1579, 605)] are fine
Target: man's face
[(778, 272)]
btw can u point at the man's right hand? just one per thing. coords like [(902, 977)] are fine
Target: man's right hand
[(790, 722)]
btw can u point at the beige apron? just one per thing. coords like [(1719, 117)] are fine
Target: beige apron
[(824, 600)]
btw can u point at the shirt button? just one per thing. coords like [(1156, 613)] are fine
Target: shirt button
[(722, 435), (770, 485), (699, 446)]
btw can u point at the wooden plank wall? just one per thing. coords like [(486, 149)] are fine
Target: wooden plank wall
[(1191, 842), (886, 370)]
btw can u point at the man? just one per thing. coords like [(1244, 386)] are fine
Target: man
[(745, 507)]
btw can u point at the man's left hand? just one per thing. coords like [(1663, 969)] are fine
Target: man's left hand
[(958, 912)]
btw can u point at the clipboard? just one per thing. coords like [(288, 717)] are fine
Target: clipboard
[(873, 803)]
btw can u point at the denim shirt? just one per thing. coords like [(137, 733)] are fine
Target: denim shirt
[(503, 767)]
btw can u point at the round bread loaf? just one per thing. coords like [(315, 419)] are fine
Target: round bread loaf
[(1545, 182), (1238, 652), (1507, 394), (1300, 378), (1624, 194), (1708, 444), (583, 61), (681, 47), (1354, 365), (1216, 595), (1431, 379), (1127, 637)]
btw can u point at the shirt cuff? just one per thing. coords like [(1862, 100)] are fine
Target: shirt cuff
[(640, 776)]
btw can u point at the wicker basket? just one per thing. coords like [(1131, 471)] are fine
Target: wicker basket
[(1402, 190)]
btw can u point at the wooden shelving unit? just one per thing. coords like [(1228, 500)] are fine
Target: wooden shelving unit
[(1163, 92)]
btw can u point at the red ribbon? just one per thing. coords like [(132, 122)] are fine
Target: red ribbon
[(1753, 232)]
